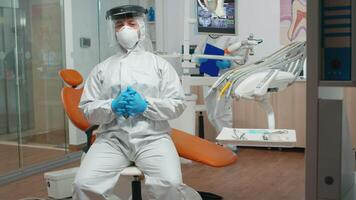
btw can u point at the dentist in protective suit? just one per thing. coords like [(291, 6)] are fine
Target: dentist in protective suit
[(132, 95)]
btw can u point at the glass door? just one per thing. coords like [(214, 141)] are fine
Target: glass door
[(9, 124), (40, 56), (32, 120)]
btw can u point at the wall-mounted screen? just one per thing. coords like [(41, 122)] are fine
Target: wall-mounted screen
[(217, 16)]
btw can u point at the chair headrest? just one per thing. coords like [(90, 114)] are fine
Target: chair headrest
[(71, 77)]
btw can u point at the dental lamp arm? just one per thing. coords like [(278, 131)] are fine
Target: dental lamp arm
[(216, 57), (232, 48), (243, 48), (249, 43)]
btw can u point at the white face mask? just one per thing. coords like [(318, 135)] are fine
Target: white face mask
[(127, 37)]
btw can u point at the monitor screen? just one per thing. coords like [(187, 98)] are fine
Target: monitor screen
[(209, 20)]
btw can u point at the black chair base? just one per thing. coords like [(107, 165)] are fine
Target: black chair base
[(136, 189), (210, 196), (136, 192)]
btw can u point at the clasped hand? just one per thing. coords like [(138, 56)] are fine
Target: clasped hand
[(129, 103)]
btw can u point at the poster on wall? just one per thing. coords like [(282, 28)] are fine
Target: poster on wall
[(293, 15)]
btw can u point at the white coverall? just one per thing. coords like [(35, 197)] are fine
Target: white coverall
[(143, 139), (221, 114)]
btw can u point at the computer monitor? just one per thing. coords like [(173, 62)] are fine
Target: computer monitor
[(209, 22)]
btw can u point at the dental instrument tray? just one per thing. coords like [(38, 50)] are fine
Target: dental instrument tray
[(258, 137)]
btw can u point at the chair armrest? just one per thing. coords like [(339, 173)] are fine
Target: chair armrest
[(90, 137)]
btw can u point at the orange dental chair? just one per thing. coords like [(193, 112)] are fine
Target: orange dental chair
[(188, 146)]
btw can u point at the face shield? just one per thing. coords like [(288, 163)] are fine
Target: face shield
[(122, 24)]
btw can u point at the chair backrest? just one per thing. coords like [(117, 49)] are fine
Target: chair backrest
[(71, 97)]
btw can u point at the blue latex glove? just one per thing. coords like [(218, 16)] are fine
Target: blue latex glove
[(223, 64), (202, 60), (135, 103), (118, 105)]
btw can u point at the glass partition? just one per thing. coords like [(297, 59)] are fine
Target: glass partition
[(32, 121), (9, 124), (42, 47)]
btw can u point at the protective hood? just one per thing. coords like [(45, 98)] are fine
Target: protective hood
[(128, 11)]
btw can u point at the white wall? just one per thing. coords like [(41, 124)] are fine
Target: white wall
[(254, 16), (82, 19), (173, 25), (85, 24), (261, 18)]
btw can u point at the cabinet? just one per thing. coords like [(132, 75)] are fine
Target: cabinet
[(350, 100), (154, 21)]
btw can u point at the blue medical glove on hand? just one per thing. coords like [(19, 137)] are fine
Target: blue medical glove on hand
[(135, 104), (223, 64), (129, 92), (119, 103)]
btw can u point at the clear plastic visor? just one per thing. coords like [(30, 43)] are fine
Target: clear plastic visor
[(114, 25)]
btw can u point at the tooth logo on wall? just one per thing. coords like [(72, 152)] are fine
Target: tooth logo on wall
[(293, 15)]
